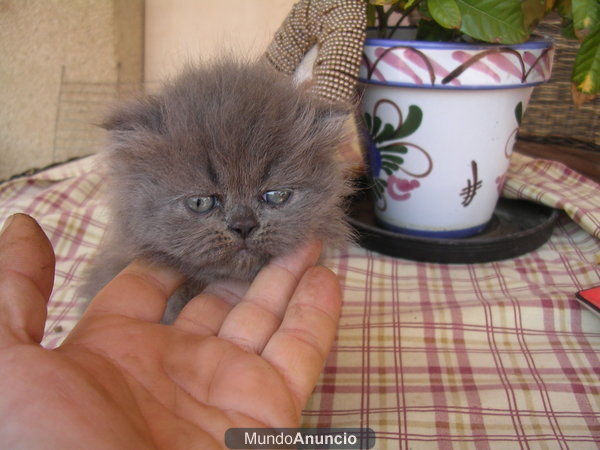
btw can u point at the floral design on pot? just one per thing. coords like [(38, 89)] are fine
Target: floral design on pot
[(399, 188), (469, 192), (387, 152), (468, 97), (510, 143), (508, 147)]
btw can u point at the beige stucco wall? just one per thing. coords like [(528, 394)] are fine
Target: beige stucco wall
[(96, 45), (184, 30), (93, 40)]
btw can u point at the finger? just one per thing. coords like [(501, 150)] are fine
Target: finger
[(140, 291), (232, 291), (299, 347), (254, 320), (26, 279), (203, 315)]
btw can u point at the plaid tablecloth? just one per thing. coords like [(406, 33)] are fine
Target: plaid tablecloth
[(495, 355)]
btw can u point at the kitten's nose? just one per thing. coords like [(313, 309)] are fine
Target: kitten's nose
[(243, 225), (243, 228)]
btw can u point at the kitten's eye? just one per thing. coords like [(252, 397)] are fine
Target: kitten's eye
[(278, 197), (201, 204)]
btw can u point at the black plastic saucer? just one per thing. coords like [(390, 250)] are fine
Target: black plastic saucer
[(517, 227)]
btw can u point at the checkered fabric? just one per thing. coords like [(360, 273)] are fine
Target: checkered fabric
[(495, 355), (558, 186)]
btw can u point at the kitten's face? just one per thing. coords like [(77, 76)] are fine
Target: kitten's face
[(223, 172)]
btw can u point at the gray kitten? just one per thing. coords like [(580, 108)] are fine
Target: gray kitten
[(228, 167)]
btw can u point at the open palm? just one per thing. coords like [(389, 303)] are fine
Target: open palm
[(237, 356)]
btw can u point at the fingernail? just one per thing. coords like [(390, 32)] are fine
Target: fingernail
[(7, 223)]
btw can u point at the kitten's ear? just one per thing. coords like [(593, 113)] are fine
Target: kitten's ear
[(332, 118), (341, 124), (144, 113)]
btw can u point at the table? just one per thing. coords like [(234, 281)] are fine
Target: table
[(494, 355)]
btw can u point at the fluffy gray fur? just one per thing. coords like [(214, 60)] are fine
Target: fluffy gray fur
[(233, 130)]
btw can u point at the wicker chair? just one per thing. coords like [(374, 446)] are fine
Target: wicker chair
[(553, 127)]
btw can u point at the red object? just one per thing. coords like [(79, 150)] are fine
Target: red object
[(590, 298)]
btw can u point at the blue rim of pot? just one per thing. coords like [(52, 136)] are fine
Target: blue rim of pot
[(441, 234), (535, 44), (450, 88)]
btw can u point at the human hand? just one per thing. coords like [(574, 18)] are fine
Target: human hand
[(121, 379)]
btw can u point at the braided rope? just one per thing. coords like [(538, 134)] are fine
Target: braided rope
[(338, 28)]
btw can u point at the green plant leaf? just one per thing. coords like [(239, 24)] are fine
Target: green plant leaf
[(586, 71), (376, 127), (586, 14), (386, 134), (393, 158), (371, 16), (493, 20), (445, 12), (533, 12), (430, 30), (394, 148), (568, 30), (379, 186), (519, 112), (563, 7), (424, 13), (550, 5), (368, 120), (411, 123), (390, 165)]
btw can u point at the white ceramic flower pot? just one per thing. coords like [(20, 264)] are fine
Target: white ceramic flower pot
[(442, 119)]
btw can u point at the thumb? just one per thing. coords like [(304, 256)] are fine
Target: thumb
[(26, 280)]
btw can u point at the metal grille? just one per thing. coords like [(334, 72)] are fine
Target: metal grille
[(81, 108)]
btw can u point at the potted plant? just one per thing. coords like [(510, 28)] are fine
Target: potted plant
[(443, 102)]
